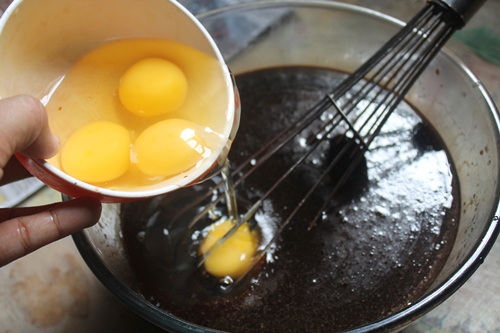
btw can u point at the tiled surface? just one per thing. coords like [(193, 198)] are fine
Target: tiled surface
[(52, 290)]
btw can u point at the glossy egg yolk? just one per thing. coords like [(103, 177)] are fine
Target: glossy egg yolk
[(97, 152), (153, 86), (234, 256), (169, 147)]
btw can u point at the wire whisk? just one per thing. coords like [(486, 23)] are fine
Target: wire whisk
[(358, 108)]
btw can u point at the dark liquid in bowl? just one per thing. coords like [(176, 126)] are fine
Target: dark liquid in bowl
[(375, 250)]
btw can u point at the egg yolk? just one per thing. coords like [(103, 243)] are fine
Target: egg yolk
[(97, 152), (234, 256), (153, 86), (169, 147)]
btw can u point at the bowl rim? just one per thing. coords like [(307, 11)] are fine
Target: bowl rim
[(397, 320)]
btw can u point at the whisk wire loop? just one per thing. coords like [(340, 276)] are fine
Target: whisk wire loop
[(357, 109)]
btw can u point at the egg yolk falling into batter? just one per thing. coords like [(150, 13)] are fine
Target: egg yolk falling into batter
[(97, 152), (153, 86), (169, 147), (234, 256)]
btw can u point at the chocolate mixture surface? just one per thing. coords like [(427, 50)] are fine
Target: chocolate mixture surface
[(375, 249)]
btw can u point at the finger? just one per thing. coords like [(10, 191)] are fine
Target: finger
[(23, 230), (25, 129)]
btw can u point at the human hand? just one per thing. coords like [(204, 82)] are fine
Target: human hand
[(24, 129)]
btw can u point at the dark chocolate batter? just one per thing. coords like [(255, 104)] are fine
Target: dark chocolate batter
[(376, 248)]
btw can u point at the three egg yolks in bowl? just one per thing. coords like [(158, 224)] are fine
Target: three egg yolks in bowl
[(134, 112)]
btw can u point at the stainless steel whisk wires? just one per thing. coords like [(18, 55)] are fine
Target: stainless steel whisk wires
[(361, 104)]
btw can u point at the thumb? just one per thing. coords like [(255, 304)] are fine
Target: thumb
[(25, 129)]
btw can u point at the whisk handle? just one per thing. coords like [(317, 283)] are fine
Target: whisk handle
[(465, 9)]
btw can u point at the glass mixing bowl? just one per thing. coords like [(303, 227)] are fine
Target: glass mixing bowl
[(333, 35)]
